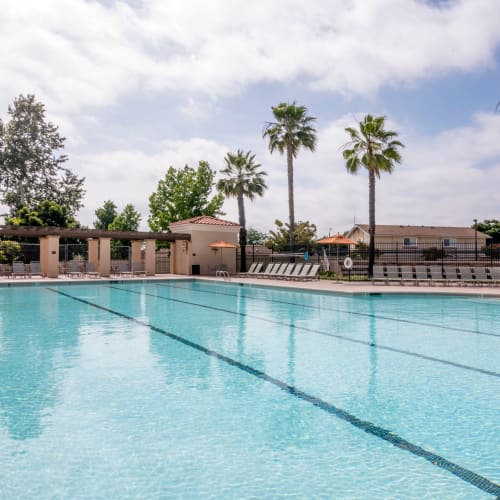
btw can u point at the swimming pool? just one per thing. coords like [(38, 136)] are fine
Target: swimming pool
[(192, 389)]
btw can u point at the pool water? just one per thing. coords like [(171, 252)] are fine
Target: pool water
[(190, 389)]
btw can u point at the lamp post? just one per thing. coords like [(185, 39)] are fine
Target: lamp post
[(475, 237)]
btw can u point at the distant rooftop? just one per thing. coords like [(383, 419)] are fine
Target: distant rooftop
[(206, 220), (422, 231)]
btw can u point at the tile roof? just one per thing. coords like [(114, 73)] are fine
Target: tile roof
[(204, 219), (429, 231)]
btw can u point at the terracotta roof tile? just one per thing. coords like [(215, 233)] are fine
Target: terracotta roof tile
[(204, 219)]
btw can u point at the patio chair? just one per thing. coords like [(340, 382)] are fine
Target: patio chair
[(75, 268), (254, 269), (407, 274), (138, 269), (35, 269), (378, 274), (288, 271), (312, 274), (90, 270), (495, 275), (280, 271), (392, 273), (123, 269), (466, 276), (5, 270), (296, 270), (437, 275), (303, 273), (451, 275), (270, 271), (481, 276), (19, 269), (421, 275)]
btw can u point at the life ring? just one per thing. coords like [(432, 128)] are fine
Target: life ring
[(348, 262)]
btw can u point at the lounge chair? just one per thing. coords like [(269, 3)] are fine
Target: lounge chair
[(270, 270), (313, 273), (437, 275), (302, 274), (35, 269), (407, 274), (495, 275), (466, 276), (481, 276), (123, 269), (281, 271), (451, 275), (421, 274), (393, 273), (288, 271), (90, 271), (254, 269), (75, 268), (19, 269), (378, 274), (296, 271), (138, 269)]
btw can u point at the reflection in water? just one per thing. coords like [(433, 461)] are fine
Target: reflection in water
[(33, 342), (372, 386)]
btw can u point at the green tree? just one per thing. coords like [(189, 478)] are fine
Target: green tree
[(305, 235), (375, 149), (105, 215), (491, 227), (291, 130), (127, 220), (255, 237), (9, 251), (32, 170), (47, 213), (183, 194), (242, 179)]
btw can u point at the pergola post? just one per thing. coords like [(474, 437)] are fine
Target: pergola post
[(104, 256), (49, 256), (172, 258), (136, 251), (93, 252), (150, 257)]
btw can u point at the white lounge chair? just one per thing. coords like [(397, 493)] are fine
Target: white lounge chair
[(138, 269), (19, 270), (35, 269), (378, 274), (90, 270), (421, 274)]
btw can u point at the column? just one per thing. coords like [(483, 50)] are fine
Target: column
[(150, 258), (104, 267), (136, 251), (173, 256), (93, 251), (49, 255)]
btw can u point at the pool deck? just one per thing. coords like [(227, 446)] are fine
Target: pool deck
[(354, 287)]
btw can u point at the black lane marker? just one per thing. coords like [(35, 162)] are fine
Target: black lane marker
[(466, 475), (318, 332), (366, 315)]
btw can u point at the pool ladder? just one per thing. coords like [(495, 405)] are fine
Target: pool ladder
[(223, 274)]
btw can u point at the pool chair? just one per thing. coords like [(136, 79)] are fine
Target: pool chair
[(378, 274), (90, 271), (451, 275), (312, 274), (481, 276), (75, 268), (123, 269), (495, 275), (254, 269), (296, 271), (19, 270), (407, 275), (421, 275), (35, 269), (437, 275), (392, 274), (288, 271), (466, 276), (280, 271), (270, 270), (303, 272), (138, 269)]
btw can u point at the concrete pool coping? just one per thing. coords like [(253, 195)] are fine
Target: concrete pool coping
[(343, 287)]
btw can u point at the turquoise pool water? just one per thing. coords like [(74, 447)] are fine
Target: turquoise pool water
[(188, 389)]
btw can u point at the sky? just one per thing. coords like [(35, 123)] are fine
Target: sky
[(140, 85)]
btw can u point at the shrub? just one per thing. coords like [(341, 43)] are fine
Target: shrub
[(433, 253), (9, 251)]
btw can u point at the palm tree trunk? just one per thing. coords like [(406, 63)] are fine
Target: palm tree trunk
[(243, 234), (291, 211), (371, 210)]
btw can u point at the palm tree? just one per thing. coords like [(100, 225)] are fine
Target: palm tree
[(243, 179), (375, 149), (291, 129)]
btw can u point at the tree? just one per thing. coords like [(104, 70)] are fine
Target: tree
[(47, 213), (491, 227), (127, 220), (32, 170), (105, 215), (375, 149), (291, 130), (255, 237), (243, 179), (183, 194), (305, 234)]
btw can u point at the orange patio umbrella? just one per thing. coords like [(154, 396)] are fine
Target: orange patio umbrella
[(222, 244), (336, 239)]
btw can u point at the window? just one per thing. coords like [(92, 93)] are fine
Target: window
[(450, 243), (410, 242)]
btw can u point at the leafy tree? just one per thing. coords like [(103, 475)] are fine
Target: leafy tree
[(255, 237), (291, 130), (242, 179), (32, 170), (375, 149), (9, 251), (491, 227), (305, 234), (127, 220), (47, 213), (105, 215), (183, 194)]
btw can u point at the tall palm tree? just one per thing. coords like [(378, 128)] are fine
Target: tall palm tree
[(375, 149), (291, 129), (243, 179)]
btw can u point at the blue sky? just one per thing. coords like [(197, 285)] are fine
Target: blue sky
[(138, 86)]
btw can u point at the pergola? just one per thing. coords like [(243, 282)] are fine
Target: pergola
[(99, 245)]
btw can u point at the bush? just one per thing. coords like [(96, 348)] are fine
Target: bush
[(433, 253), (9, 251)]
